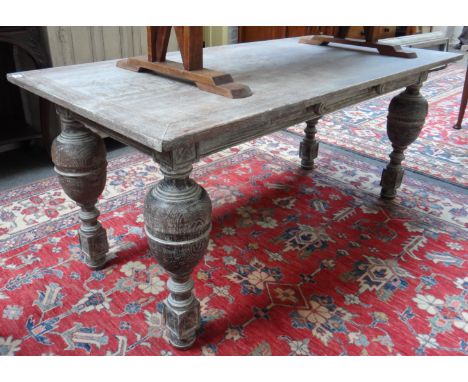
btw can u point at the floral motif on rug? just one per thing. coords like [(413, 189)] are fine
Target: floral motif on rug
[(439, 151), (299, 263)]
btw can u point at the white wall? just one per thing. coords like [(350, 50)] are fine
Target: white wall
[(452, 32)]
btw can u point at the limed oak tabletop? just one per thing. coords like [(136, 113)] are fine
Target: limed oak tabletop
[(290, 82)]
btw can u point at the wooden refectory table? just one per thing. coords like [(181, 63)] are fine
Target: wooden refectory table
[(176, 124)]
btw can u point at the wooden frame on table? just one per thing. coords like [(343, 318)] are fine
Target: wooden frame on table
[(190, 41)]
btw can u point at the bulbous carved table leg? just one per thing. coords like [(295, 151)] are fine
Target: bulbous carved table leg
[(178, 223), (406, 115), (308, 150), (79, 156)]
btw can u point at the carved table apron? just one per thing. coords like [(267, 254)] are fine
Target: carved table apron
[(176, 124)]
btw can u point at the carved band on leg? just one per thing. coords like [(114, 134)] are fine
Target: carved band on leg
[(308, 150), (79, 156), (406, 115), (178, 223)]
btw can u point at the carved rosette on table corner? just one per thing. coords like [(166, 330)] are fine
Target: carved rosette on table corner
[(406, 115), (178, 223), (80, 162)]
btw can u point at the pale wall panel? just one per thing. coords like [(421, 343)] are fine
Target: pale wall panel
[(137, 40), (97, 43), (112, 43), (61, 45), (143, 40), (126, 42), (82, 46), (76, 45)]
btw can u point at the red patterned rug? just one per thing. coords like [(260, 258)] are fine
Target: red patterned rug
[(439, 152), (298, 263)]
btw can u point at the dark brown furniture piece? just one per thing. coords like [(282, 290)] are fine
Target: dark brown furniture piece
[(15, 43), (259, 33), (464, 99)]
